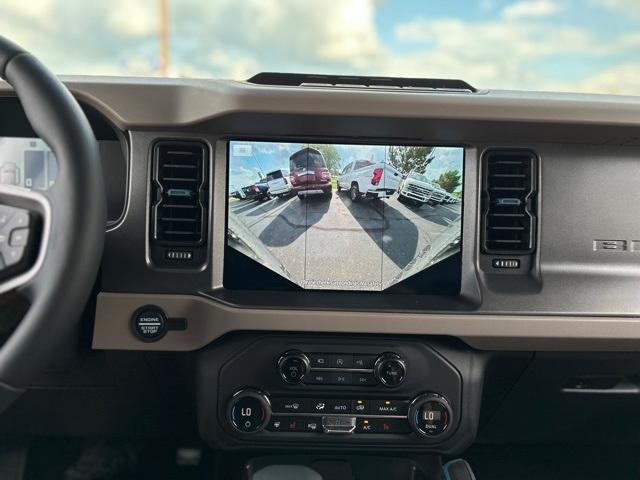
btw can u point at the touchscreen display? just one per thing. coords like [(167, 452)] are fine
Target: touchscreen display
[(344, 216)]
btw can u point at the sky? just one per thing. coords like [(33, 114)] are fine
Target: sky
[(250, 161), (552, 45)]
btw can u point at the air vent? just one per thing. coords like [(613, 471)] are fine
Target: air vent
[(179, 178), (509, 187)]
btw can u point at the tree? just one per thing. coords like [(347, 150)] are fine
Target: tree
[(407, 158), (331, 156), (449, 180)]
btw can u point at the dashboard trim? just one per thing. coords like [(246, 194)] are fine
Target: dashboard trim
[(152, 102), (210, 319)]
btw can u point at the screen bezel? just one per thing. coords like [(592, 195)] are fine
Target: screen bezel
[(220, 273)]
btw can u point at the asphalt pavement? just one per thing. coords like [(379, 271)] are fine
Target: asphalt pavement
[(343, 245)]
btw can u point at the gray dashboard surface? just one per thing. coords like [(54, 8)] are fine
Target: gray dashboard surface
[(576, 296)]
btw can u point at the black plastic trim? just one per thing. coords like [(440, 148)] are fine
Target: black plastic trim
[(300, 79)]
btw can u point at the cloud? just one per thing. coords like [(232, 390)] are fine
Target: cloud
[(492, 39), (509, 48), (626, 7), (288, 34), (285, 35), (488, 54), (531, 9), (620, 79), (134, 19), (38, 11)]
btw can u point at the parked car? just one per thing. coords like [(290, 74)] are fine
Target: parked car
[(258, 191), (369, 178), (309, 173), (279, 183)]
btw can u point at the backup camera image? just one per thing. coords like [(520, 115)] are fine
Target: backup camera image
[(344, 216)]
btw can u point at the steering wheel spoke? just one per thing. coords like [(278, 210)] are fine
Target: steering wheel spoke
[(24, 231)]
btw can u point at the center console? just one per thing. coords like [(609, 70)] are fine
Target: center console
[(306, 391)]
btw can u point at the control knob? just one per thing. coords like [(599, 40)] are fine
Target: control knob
[(390, 369), (430, 415), (249, 411), (293, 366)]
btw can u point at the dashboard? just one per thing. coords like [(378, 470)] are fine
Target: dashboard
[(344, 262)]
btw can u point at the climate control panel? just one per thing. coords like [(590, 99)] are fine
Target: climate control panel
[(300, 391), (251, 411)]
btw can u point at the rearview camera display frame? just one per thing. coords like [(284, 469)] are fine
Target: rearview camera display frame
[(295, 221)]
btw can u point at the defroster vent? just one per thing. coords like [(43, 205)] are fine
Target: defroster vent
[(509, 199), (179, 180)]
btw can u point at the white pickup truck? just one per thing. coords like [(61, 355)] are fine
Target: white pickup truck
[(416, 187), (368, 178)]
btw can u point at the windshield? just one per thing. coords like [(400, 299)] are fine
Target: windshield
[(559, 45)]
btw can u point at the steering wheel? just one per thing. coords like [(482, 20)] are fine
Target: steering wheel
[(50, 240)]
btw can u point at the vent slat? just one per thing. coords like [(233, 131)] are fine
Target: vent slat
[(508, 228), (508, 221), (179, 179), (167, 205), (178, 165)]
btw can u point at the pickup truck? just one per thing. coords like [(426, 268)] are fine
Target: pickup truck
[(417, 188), (368, 178)]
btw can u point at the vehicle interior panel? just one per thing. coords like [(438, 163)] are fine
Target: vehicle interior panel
[(316, 276)]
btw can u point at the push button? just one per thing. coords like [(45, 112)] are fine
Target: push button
[(289, 405), (339, 406), (340, 425), (149, 323), (19, 237), (342, 361), (364, 362), (312, 424), (364, 379), (382, 425), (319, 405), (12, 255), (318, 378), (276, 424), (340, 378), (360, 406), (14, 236), (5, 214), (293, 424), (320, 360), (389, 407)]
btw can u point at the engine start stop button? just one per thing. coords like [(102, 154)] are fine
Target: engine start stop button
[(149, 323)]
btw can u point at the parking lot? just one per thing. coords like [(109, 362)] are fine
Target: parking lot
[(340, 244)]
